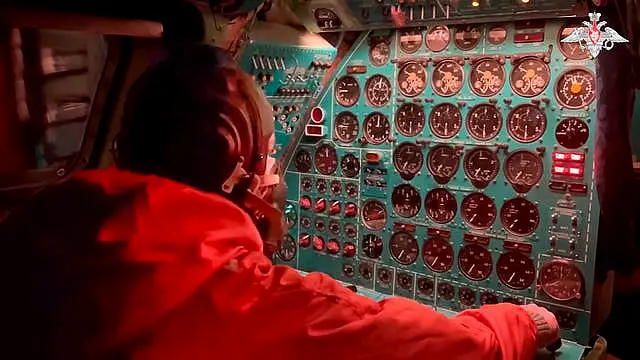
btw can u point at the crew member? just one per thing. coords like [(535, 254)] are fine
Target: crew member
[(163, 258)]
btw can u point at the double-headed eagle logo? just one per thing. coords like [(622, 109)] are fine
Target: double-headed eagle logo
[(592, 38)]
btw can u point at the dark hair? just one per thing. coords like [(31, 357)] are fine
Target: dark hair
[(175, 116)]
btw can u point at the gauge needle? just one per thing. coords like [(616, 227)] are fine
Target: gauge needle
[(434, 261), (473, 217), (471, 268), (513, 224), (511, 277), (401, 253)]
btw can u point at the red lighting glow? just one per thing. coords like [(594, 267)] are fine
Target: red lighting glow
[(568, 156)]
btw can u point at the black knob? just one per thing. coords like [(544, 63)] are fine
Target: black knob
[(555, 346)]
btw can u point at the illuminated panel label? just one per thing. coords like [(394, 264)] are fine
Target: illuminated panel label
[(528, 38), (568, 156), (356, 69)]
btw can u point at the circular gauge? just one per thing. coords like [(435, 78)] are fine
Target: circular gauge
[(445, 120), (306, 184), (572, 133), (334, 226), (350, 230), (336, 187), (380, 53), (478, 211), (467, 296), (352, 190), (520, 216), (320, 225), (305, 222), (561, 280), (526, 123), (287, 250), (447, 78), (487, 298), (346, 127), (484, 122), (438, 38), (497, 35), (441, 205), (376, 128), (378, 90), (407, 159), (321, 186), (327, 19), (516, 270), (437, 255), (403, 247), (374, 215), (410, 119), (385, 276), (467, 37), (576, 88), (530, 76), (326, 159), (405, 281), (487, 77), (350, 165), (475, 262), (443, 162), (347, 91), (372, 246), (365, 270), (481, 166), (291, 216), (410, 40), (572, 50), (412, 79), (303, 160), (523, 169), (566, 319), (425, 286), (348, 271), (446, 291), (406, 200)]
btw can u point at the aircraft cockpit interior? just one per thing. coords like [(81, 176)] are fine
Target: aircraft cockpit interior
[(452, 152)]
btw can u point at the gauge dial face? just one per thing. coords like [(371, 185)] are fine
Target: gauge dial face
[(303, 160), (410, 119), (561, 280), (347, 91), (572, 50), (520, 216), (385, 275), (516, 270), (406, 200), (478, 211), (523, 169), (291, 216), (475, 262), (481, 165), (366, 270), (410, 40), (487, 77), (403, 247), (306, 184), (576, 89), (374, 215), (326, 159), (445, 120), (378, 90), (566, 319), (412, 79), (497, 35), (407, 159), (467, 37), (447, 78), (287, 250), (526, 123), (572, 133), (351, 230), (425, 286), (346, 127), (438, 38), (488, 298), (446, 291), (321, 186), (372, 246), (437, 255), (530, 76), (443, 161), (380, 53), (405, 281), (441, 205), (327, 19), (351, 190), (350, 165), (484, 122), (467, 296), (336, 187), (376, 128)]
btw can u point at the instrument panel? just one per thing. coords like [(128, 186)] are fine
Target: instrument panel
[(455, 169)]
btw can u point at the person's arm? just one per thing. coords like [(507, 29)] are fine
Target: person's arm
[(314, 317)]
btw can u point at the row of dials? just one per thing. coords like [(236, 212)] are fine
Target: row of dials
[(530, 76), (466, 38), (526, 123)]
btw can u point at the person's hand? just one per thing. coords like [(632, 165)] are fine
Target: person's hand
[(546, 323)]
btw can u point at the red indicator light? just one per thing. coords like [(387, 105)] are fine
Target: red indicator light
[(305, 202), (349, 249), (333, 246), (572, 157), (321, 205), (318, 243), (317, 115), (578, 157), (575, 171), (560, 170), (559, 156), (314, 130), (305, 240), (372, 157)]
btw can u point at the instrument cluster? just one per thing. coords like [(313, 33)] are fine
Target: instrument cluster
[(455, 168)]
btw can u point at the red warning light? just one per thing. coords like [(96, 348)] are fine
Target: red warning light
[(568, 156), (317, 115)]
